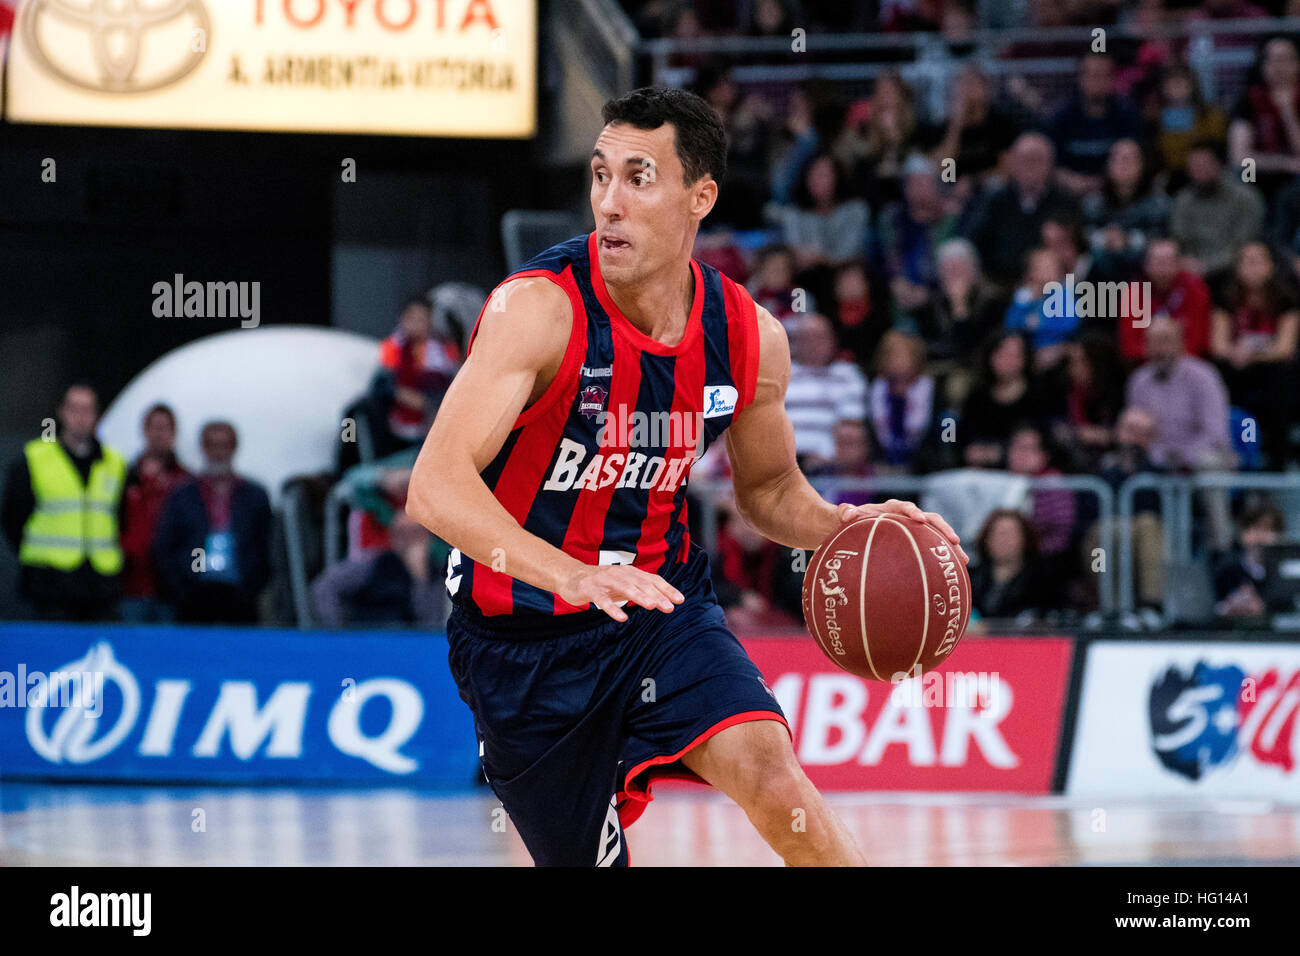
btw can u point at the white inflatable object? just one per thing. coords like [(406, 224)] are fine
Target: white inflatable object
[(284, 388)]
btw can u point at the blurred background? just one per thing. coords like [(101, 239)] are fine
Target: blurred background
[(1038, 267)]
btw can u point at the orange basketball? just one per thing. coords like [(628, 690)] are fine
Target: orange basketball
[(886, 595)]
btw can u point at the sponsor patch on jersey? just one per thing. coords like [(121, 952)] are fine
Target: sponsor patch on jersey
[(719, 400), (591, 400), (589, 372)]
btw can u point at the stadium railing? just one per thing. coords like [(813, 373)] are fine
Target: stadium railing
[(1177, 502), (1221, 69)]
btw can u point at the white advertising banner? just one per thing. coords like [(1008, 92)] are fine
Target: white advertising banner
[(1213, 719), (464, 68)]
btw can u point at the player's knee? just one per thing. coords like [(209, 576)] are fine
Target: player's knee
[(771, 779)]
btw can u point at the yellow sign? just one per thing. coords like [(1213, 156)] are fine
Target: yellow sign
[(463, 68)]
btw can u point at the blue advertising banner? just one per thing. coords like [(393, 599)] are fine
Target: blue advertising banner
[(231, 705)]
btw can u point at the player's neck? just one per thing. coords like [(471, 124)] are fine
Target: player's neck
[(643, 303)]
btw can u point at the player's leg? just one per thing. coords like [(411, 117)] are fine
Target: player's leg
[(754, 764)]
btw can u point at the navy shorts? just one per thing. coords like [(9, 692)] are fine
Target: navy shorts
[(574, 727)]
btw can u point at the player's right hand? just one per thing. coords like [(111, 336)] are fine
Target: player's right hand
[(608, 585)]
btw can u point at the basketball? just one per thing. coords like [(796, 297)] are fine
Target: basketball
[(886, 596)]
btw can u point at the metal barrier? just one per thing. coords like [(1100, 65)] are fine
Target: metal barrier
[(708, 494), (291, 512), (1176, 505)]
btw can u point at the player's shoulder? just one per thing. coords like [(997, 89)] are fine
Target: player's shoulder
[(528, 315)]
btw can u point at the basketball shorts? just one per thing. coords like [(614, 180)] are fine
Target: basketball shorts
[(574, 727)]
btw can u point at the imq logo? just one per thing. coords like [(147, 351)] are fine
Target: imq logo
[(111, 46)]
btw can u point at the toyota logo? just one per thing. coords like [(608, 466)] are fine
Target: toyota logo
[(116, 46)]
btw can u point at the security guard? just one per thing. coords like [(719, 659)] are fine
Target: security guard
[(60, 513)]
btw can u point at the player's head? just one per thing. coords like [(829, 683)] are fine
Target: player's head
[(655, 171)]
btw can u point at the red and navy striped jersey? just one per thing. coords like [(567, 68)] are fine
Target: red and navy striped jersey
[(598, 465)]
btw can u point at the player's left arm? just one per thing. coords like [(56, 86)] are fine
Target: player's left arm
[(771, 492)]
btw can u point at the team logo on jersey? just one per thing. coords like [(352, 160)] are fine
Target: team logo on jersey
[(719, 400), (591, 400)]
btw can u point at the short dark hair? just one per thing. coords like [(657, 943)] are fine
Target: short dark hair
[(701, 137), (160, 408), (1210, 144)]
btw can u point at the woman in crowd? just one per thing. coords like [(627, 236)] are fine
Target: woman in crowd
[(1005, 395), (1125, 212), (901, 399), (1004, 577), (1094, 396), (1265, 127)]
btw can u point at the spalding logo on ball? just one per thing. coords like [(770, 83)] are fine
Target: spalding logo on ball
[(886, 597)]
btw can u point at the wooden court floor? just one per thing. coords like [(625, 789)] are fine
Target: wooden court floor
[(684, 826)]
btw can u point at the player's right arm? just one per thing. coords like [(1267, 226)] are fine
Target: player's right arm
[(516, 353)]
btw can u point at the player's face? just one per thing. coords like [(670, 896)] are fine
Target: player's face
[(645, 213)]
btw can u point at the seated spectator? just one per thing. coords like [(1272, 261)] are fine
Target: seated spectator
[(1124, 213), (1184, 119), (1176, 294), (1265, 125), (1053, 511), (415, 369), (1187, 399), (1135, 433), (1285, 229), (755, 579), (1093, 120), (907, 236), (963, 311), (1006, 224), (977, 133), (772, 283), (1049, 320), (822, 391), (1094, 391), (384, 586), (853, 457), (1005, 395), (1254, 337), (149, 481), (1063, 236), (212, 545), (859, 324), (901, 399), (1214, 215), (825, 226), (1005, 575), (1240, 575), (877, 140), (750, 139)]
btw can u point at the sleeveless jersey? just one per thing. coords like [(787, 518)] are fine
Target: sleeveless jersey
[(598, 465)]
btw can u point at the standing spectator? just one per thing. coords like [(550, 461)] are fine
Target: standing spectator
[(1214, 215), (908, 233), (825, 226), (60, 514), (1265, 125), (1176, 294), (1005, 395), (212, 546), (1254, 341), (1008, 223), (1184, 120), (822, 391), (153, 476), (901, 398), (1005, 579), (1085, 128), (1186, 397), (1125, 212)]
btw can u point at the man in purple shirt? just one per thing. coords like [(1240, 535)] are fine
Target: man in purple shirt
[(1187, 399)]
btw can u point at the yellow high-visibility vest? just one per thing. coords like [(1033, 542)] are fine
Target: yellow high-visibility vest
[(72, 521)]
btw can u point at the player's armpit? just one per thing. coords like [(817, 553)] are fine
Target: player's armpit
[(516, 351), (771, 492)]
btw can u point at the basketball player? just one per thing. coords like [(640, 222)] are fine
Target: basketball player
[(584, 635)]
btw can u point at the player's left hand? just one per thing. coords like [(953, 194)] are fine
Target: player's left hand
[(906, 509)]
